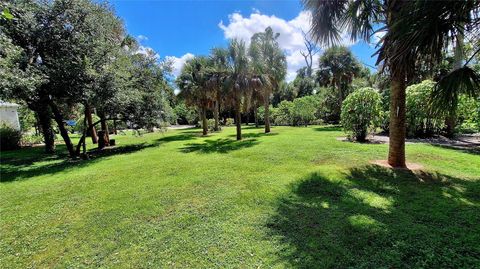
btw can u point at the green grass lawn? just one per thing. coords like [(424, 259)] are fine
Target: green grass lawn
[(297, 197)]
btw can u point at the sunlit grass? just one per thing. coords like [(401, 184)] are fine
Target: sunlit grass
[(297, 197)]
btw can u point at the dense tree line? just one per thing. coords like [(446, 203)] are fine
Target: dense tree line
[(61, 56)]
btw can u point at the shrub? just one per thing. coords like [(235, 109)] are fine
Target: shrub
[(211, 125), (184, 114), (229, 122), (32, 139), (420, 120), (468, 114), (361, 112), (9, 137), (282, 114), (303, 110)]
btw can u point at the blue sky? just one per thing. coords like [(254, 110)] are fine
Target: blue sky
[(180, 29)]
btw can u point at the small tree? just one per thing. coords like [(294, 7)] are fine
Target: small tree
[(361, 112)]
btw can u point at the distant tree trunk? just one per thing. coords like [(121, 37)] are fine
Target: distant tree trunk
[(91, 131), (115, 127), (216, 115), (238, 120), (204, 121), (396, 153), (255, 114), (45, 124), (266, 102), (104, 126), (57, 115)]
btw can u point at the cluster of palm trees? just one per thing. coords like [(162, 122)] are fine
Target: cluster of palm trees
[(238, 77), (416, 33)]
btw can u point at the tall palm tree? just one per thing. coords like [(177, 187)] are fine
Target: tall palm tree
[(269, 64), (192, 82), (415, 31), (217, 76), (238, 81)]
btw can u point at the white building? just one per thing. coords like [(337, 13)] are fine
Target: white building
[(9, 114)]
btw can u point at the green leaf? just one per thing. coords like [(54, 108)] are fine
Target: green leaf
[(6, 14)]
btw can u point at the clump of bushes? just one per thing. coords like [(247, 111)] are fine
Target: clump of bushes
[(184, 114), (300, 111), (9, 137), (229, 122), (421, 121), (361, 112)]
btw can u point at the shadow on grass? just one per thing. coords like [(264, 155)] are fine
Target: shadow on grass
[(465, 149), (28, 163), (254, 135), (375, 217), (333, 128), (222, 145)]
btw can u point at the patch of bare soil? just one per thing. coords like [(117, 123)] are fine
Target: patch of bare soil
[(410, 166)]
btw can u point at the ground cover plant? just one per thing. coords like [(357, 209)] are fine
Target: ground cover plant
[(296, 197)]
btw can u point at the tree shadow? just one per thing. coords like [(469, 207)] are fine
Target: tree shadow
[(254, 135), (375, 217), (222, 145), (475, 149), (333, 128), (33, 162)]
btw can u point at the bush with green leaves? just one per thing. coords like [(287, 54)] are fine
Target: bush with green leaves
[(282, 115), (184, 114), (303, 110), (9, 137), (421, 121), (361, 113), (468, 114)]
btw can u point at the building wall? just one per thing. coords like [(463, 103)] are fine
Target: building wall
[(9, 115)]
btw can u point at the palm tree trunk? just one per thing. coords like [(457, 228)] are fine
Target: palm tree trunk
[(238, 121), (396, 153), (93, 132), (215, 115), (204, 121), (266, 101), (451, 119)]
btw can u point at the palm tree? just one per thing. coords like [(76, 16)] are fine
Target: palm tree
[(269, 64), (237, 82), (192, 82), (415, 31), (217, 76)]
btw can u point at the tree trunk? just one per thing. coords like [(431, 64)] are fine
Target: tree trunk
[(204, 121), (47, 130), (255, 115), (57, 115), (104, 126), (91, 131), (238, 121), (266, 102), (450, 123), (215, 115), (396, 153), (115, 127)]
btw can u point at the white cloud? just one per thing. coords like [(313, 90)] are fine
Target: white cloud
[(142, 38), (146, 51), (177, 62), (290, 39)]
